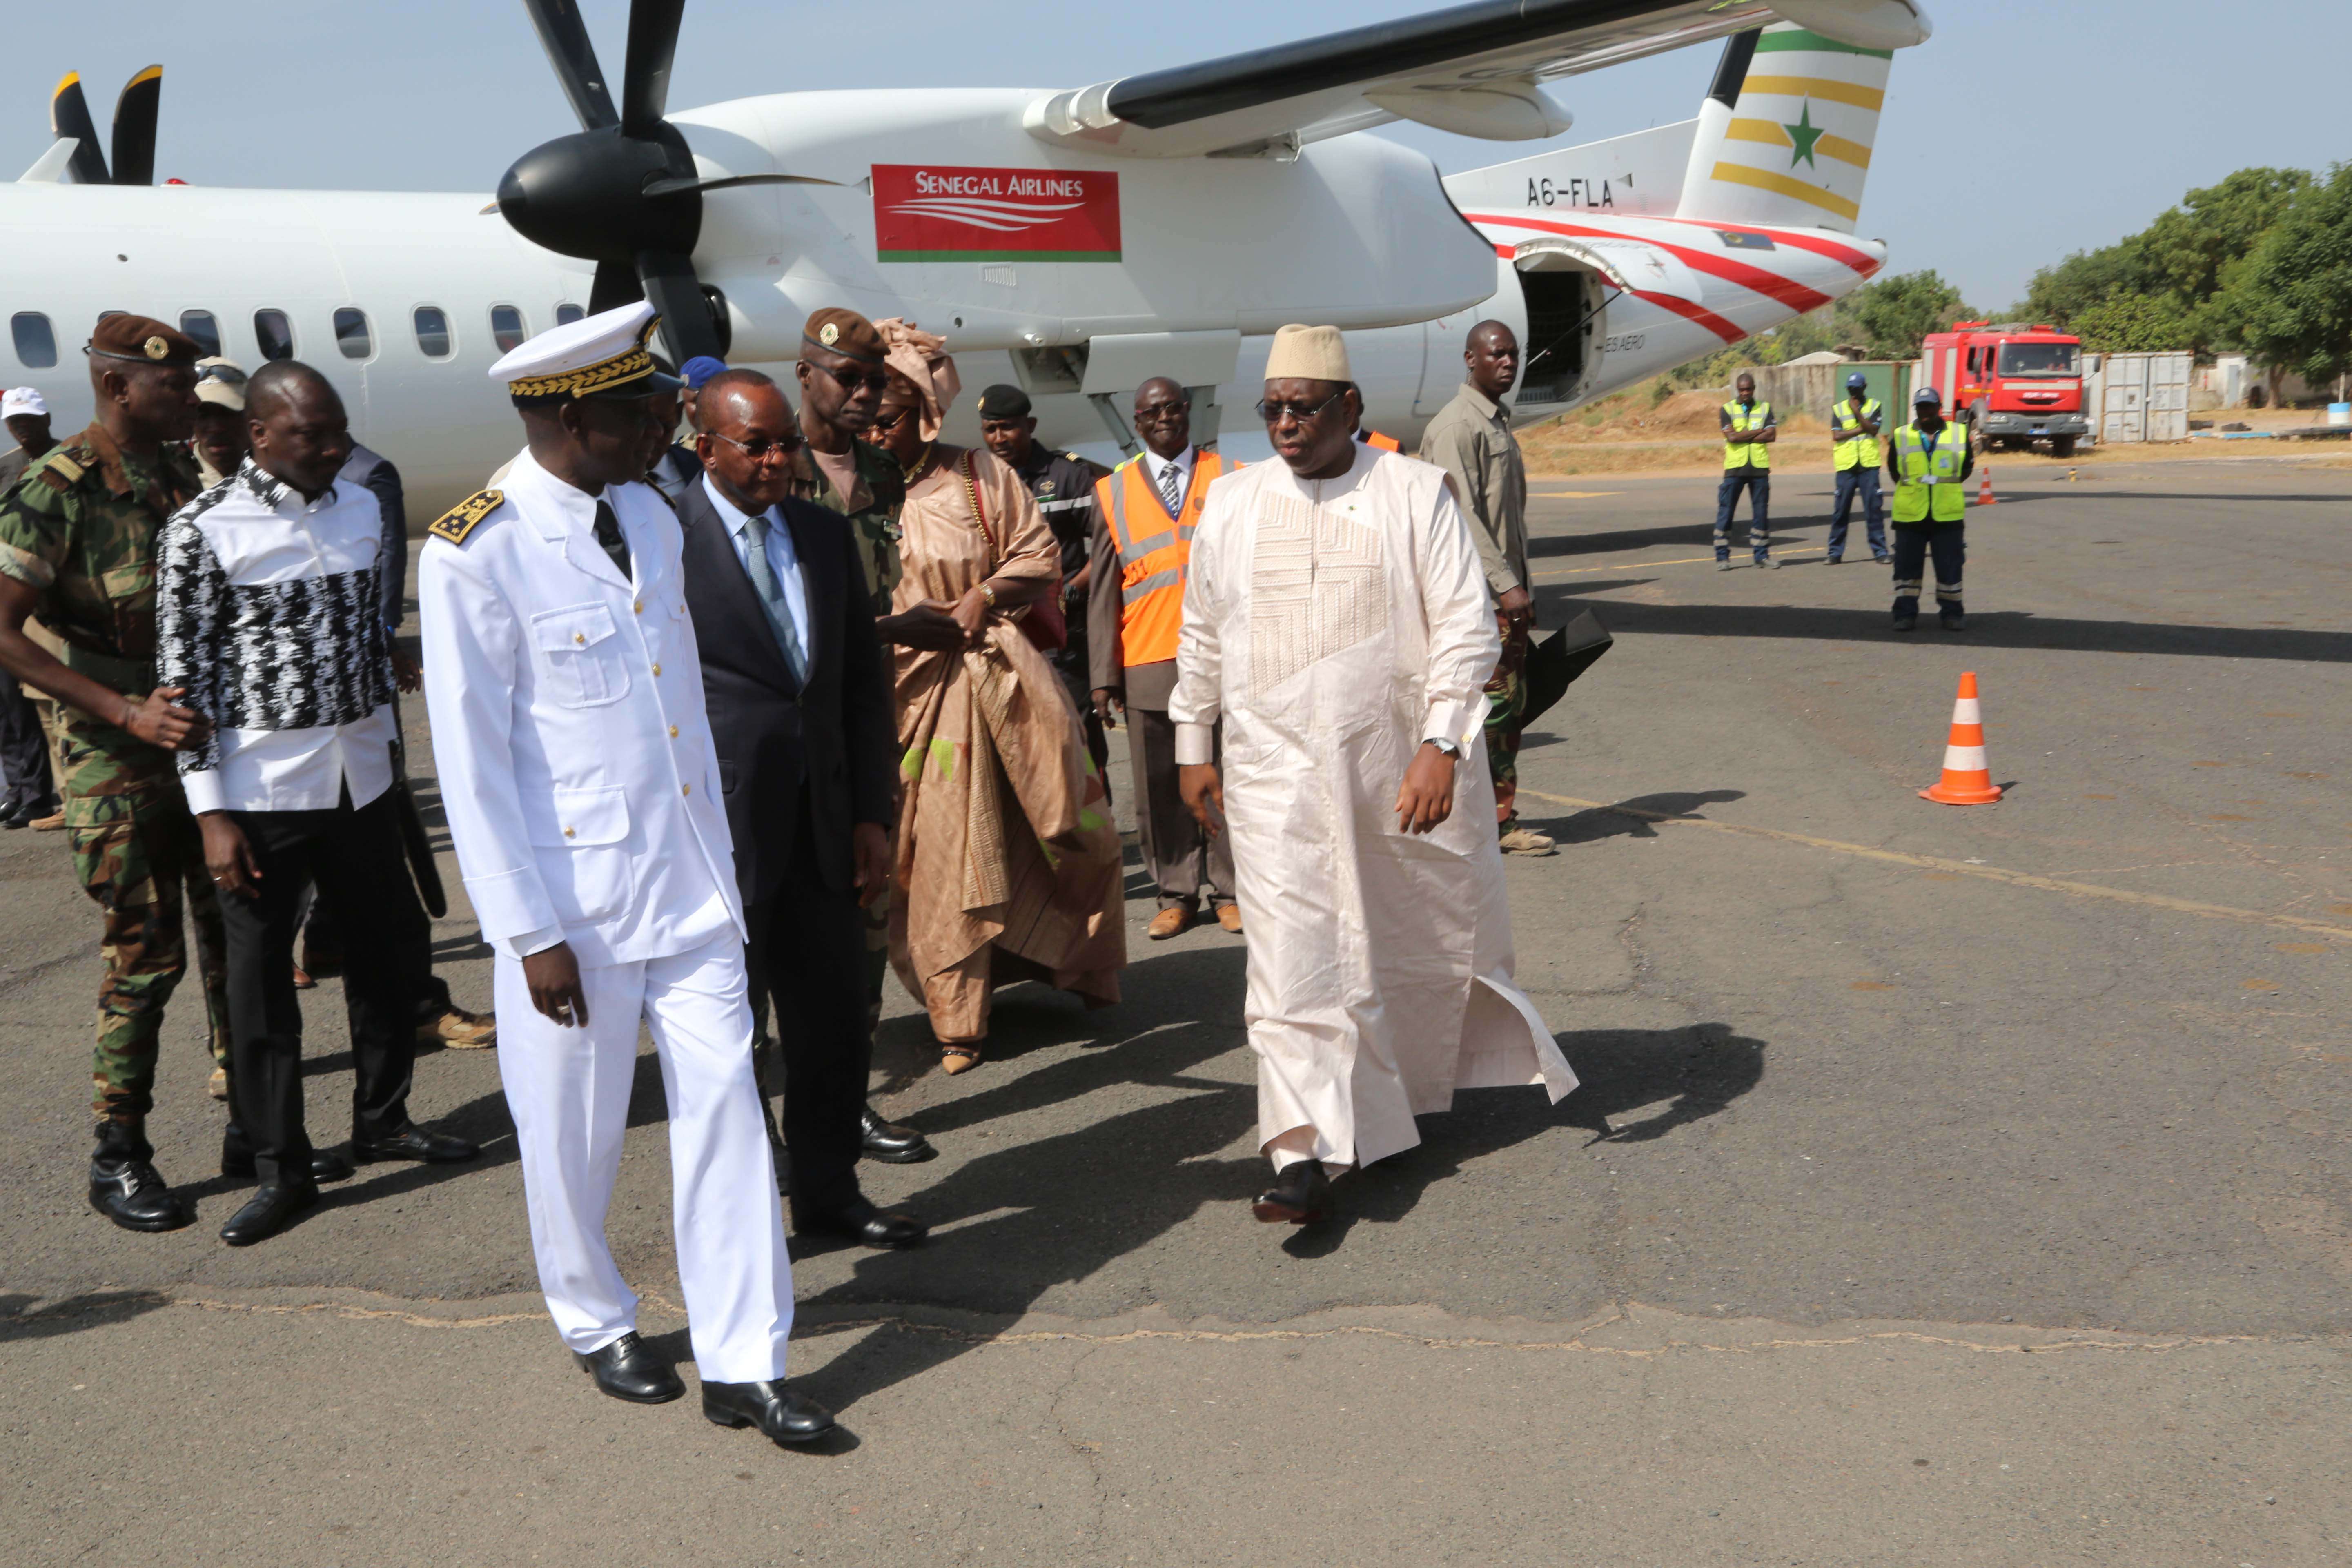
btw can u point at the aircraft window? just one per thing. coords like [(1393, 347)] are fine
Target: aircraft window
[(201, 326), (507, 328), (275, 334), (432, 332), (37, 345), (351, 333), (567, 314)]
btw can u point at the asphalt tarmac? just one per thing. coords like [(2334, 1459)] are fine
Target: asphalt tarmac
[(1954, 1185)]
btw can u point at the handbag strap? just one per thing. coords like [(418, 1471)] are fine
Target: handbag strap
[(967, 466)]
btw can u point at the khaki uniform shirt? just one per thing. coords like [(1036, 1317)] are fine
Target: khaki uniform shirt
[(1471, 439)]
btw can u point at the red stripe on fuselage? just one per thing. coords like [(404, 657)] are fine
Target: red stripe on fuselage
[(1730, 332), (1797, 240), (1771, 285)]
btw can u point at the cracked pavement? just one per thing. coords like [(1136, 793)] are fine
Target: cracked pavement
[(1960, 1185)]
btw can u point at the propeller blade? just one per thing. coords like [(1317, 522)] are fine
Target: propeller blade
[(574, 59), (69, 116), (653, 44), (134, 128), (687, 323), (616, 285), (676, 182)]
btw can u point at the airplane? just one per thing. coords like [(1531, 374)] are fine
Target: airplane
[(1073, 241)]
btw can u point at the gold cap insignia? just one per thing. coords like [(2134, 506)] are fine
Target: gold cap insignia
[(156, 348), (828, 334)]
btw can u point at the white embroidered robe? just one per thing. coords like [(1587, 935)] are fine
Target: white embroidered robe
[(1334, 625)]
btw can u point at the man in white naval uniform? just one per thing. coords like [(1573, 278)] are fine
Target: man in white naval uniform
[(578, 772)]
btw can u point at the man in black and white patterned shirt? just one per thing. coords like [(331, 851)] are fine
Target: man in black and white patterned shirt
[(269, 612)]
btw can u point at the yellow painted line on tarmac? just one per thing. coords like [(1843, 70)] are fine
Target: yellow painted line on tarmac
[(1963, 868), (1644, 565)]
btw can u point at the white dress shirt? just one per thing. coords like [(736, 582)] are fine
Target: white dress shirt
[(268, 612), (782, 560)]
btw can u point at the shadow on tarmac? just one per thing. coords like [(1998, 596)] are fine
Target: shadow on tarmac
[(1996, 628), (1620, 821), (93, 1309)]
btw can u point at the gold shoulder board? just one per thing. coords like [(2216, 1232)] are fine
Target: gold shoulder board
[(60, 471), (460, 520)]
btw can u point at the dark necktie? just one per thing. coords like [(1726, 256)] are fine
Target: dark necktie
[(608, 534)]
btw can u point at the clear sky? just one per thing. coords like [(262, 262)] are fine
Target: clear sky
[(2024, 129)]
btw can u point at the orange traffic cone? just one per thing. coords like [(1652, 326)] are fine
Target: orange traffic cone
[(1966, 779), (1984, 487)]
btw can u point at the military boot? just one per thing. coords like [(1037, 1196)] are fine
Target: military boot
[(124, 1185)]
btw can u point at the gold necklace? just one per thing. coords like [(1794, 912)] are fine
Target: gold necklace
[(922, 462)]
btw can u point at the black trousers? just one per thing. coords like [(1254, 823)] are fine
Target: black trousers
[(24, 751), (355, 857), (807, 955)]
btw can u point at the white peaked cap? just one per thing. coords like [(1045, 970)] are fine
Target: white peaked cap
[(22, 400), (1309, 353), (604, 353)]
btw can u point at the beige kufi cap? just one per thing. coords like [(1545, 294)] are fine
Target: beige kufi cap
[(1309, 353)]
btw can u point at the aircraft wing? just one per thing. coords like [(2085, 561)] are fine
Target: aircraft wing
[(1476, 69)]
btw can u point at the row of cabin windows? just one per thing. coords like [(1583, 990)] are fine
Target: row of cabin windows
[(273, 331)]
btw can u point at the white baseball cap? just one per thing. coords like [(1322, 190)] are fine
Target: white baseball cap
[(22, 400)]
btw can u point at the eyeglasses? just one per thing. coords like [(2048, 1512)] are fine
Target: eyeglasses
[(760, 450), (1274, 412), (876, 382), (227, 375), (1159, 411)]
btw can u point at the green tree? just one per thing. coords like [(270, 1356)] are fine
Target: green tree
[(2060, 294), (1894, 314), (2291, 300), (2185, 248), (2124, 323)]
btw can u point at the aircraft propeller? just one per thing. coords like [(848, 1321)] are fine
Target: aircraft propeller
[(622, 191), (134, 130)]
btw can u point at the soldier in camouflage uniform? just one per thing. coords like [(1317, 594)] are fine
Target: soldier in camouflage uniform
[(841, 384), (78, 549)]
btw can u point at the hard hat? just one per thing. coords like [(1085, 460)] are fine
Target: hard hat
[(1857, 381), (1925, 395)]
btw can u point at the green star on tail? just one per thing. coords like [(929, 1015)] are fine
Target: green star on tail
[(1804, 134)]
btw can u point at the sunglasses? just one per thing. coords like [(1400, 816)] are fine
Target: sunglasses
[(849, 382), (892, 421), (759, 448), (1273, 413)]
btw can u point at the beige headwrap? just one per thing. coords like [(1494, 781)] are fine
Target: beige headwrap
[(922, 359), (1309, 353)]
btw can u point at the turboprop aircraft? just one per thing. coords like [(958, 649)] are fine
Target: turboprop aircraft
[(1076, 241)]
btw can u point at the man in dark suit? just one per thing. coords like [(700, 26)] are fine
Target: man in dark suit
[(799, 710)]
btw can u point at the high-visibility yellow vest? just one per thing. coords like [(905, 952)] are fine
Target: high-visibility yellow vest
[(1856, 447), (1740, 453), (1928, 484), (1153, 551)]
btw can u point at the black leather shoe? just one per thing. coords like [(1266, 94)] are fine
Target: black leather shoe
[(126, 1188), (1300, 1195), (414, 1142), (859, 1221), (628, 1369), (783, 1414), (1954, 620), (237, 1160), (270, 1210), (1905, 623), (891, 1145)]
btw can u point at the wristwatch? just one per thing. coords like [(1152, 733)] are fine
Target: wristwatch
[(988, 595)]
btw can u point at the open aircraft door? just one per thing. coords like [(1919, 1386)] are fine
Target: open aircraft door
[(1567, 285)]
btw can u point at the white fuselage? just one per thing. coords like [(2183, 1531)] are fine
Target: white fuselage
[(1356, 231)]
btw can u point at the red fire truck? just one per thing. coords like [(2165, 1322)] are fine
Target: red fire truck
[(2014, 384)]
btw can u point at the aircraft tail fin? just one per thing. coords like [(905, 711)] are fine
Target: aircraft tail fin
[(1784, 137)]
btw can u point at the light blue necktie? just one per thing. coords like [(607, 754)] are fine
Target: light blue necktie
[(772, 598)]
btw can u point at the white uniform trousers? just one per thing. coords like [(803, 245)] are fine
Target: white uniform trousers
[(569, 1092)]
